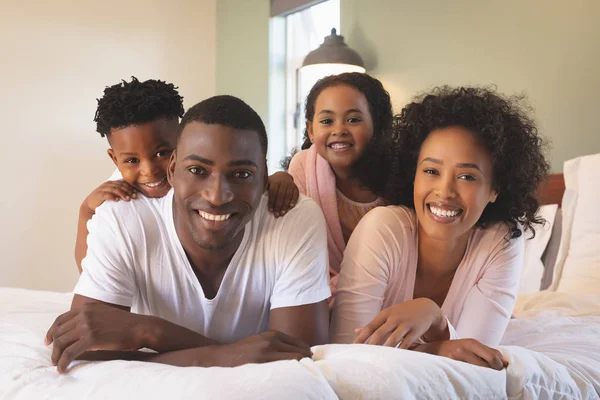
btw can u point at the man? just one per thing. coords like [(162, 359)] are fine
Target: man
[(211, 277)]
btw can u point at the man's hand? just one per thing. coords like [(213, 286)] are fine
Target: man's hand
[(283, 193), (93, 326), (403, 324), (467, 350), (110, 190), (264, 347)]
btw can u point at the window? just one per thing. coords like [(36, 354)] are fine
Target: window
[(292, 37)]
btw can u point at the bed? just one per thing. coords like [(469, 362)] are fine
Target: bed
[(551, 344)]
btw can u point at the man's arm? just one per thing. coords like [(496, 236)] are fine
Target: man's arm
[(151, 332), (93, 325), (299, 299), (309, 323)]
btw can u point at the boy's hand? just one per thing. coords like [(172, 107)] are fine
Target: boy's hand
[(283, 193), (110, 190)]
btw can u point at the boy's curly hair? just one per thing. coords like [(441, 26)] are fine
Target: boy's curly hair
[(370, 168), (505, 129), (136, 103)]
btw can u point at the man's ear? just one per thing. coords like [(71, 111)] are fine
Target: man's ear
[(309, 130), (113, 157), (171, 168), (266, 176)]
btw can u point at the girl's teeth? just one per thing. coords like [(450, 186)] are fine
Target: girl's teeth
[(213, 217), (339, 146)]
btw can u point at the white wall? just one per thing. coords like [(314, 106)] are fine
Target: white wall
[(56, 59)]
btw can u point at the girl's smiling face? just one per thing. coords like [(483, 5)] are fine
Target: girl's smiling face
[(453, 183), (342, 126)]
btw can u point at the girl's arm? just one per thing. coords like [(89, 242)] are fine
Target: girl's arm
[(296, 170)]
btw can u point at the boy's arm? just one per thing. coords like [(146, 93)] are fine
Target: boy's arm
[(80, 243), (110, 190)]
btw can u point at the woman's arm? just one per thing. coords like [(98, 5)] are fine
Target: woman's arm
[(489, 305), (371, 252)]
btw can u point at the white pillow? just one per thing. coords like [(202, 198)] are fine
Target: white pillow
[(533, 267), (577, 268)]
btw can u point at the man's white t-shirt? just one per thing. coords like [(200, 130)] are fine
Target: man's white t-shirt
[(135, 259)]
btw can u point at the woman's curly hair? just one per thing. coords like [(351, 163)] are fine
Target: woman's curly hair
[(370, 168), (505, 129)]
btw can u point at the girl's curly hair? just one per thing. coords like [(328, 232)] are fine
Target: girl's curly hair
[(370, 168), (503, 126)]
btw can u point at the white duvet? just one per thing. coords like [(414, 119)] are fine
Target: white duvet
[(552, 348)]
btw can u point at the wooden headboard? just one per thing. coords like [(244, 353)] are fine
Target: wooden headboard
[(552, 189)]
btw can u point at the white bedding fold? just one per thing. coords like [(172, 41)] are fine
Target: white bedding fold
[(553, 353)]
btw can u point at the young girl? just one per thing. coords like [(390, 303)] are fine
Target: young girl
[(343, 162), (444, 261)]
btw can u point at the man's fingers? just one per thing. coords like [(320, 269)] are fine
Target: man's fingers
[(278, 356), (291, 340), (63, 342), (289, 348), (57, 322), (70, 354)]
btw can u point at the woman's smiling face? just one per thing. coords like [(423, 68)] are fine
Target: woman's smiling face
[(453, 183)]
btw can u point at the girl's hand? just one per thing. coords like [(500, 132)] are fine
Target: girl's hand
[(467, 350), (401, 325), (110, 190), (283, 193)]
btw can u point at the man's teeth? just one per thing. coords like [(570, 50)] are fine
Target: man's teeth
[(213, 217), (443, 213), (154, 184), (339, 146)]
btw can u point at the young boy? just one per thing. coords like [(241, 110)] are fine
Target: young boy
[(140, 121)]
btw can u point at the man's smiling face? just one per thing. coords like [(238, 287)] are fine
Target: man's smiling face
[(218, 174)]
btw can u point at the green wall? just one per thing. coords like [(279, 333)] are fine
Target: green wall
[(243, 52), (548, 49)]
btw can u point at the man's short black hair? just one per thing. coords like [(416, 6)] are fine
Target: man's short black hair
[(136, 103), (227, 111)]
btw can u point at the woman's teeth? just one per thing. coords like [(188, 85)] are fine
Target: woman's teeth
[(213, 217), (439, 212)]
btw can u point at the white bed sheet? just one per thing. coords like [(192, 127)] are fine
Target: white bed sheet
[(551, 365)]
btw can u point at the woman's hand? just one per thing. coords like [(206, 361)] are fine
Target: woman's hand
[(466, 350), (402, 324)]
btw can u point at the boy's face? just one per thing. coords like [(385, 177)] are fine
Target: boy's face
[(141, 153)]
